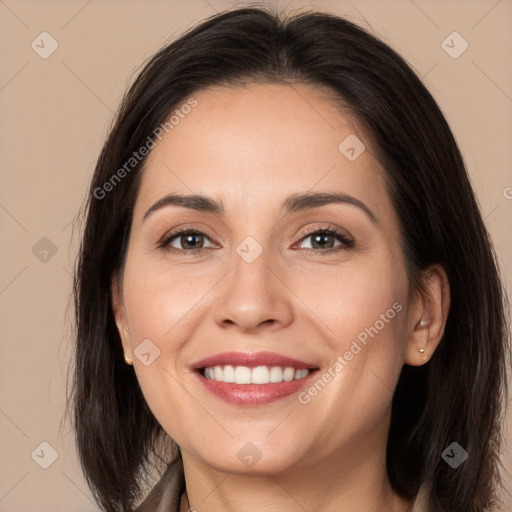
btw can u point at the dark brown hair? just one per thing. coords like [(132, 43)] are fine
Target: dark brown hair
[(458, 396)]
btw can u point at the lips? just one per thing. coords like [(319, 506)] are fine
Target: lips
[(248, 379), (252, 360)]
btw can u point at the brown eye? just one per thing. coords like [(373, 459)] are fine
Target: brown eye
[(325, 239), (187, 241)]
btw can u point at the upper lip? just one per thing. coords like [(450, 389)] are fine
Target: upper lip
[(251, 360)]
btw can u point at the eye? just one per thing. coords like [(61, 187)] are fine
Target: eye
[(193, 241), (190, 240), (324, 239)]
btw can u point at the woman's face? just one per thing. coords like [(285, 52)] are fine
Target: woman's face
[(253, 287)]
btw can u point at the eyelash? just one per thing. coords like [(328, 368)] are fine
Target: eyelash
[(347, 243)]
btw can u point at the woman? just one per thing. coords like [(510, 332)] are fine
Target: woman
[(285, 294)]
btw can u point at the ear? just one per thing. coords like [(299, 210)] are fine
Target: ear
[(120, 315), (428, 316)]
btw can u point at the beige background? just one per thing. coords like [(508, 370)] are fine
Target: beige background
[(55, 113)]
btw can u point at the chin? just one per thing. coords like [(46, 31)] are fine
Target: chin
[(250, 458)]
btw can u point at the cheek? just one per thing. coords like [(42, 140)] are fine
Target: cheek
[(157, 306), (372, 315), (365, 309), (363, 300), (162, 306), (160, 302)]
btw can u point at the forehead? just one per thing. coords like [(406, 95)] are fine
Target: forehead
[(259, 141)]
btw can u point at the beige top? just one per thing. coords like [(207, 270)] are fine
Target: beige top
[(166, 494)]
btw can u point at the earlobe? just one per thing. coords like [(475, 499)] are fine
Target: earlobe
[(120, 317), (428, 317)]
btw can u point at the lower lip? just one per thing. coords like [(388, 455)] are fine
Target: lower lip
[(253, 394)]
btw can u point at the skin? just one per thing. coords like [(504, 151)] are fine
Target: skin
[(251, 147)]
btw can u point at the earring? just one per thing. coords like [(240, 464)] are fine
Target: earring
[(422, 352), (128, 360)]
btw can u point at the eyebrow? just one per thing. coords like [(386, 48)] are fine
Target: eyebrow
[(293, 203)]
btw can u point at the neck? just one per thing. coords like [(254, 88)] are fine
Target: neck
[(334, 484)]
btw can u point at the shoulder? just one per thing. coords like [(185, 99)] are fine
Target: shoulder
[(165, 496), (420, 503)]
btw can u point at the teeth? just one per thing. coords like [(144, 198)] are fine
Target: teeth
[(256, 375), (242, 375), (288, 374), (228, 375), (260, 375), (276, 374)]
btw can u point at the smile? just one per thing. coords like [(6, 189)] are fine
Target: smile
[(249, 379), (256, 375)]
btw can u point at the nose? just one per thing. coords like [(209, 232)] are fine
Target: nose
[(253, 296)]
